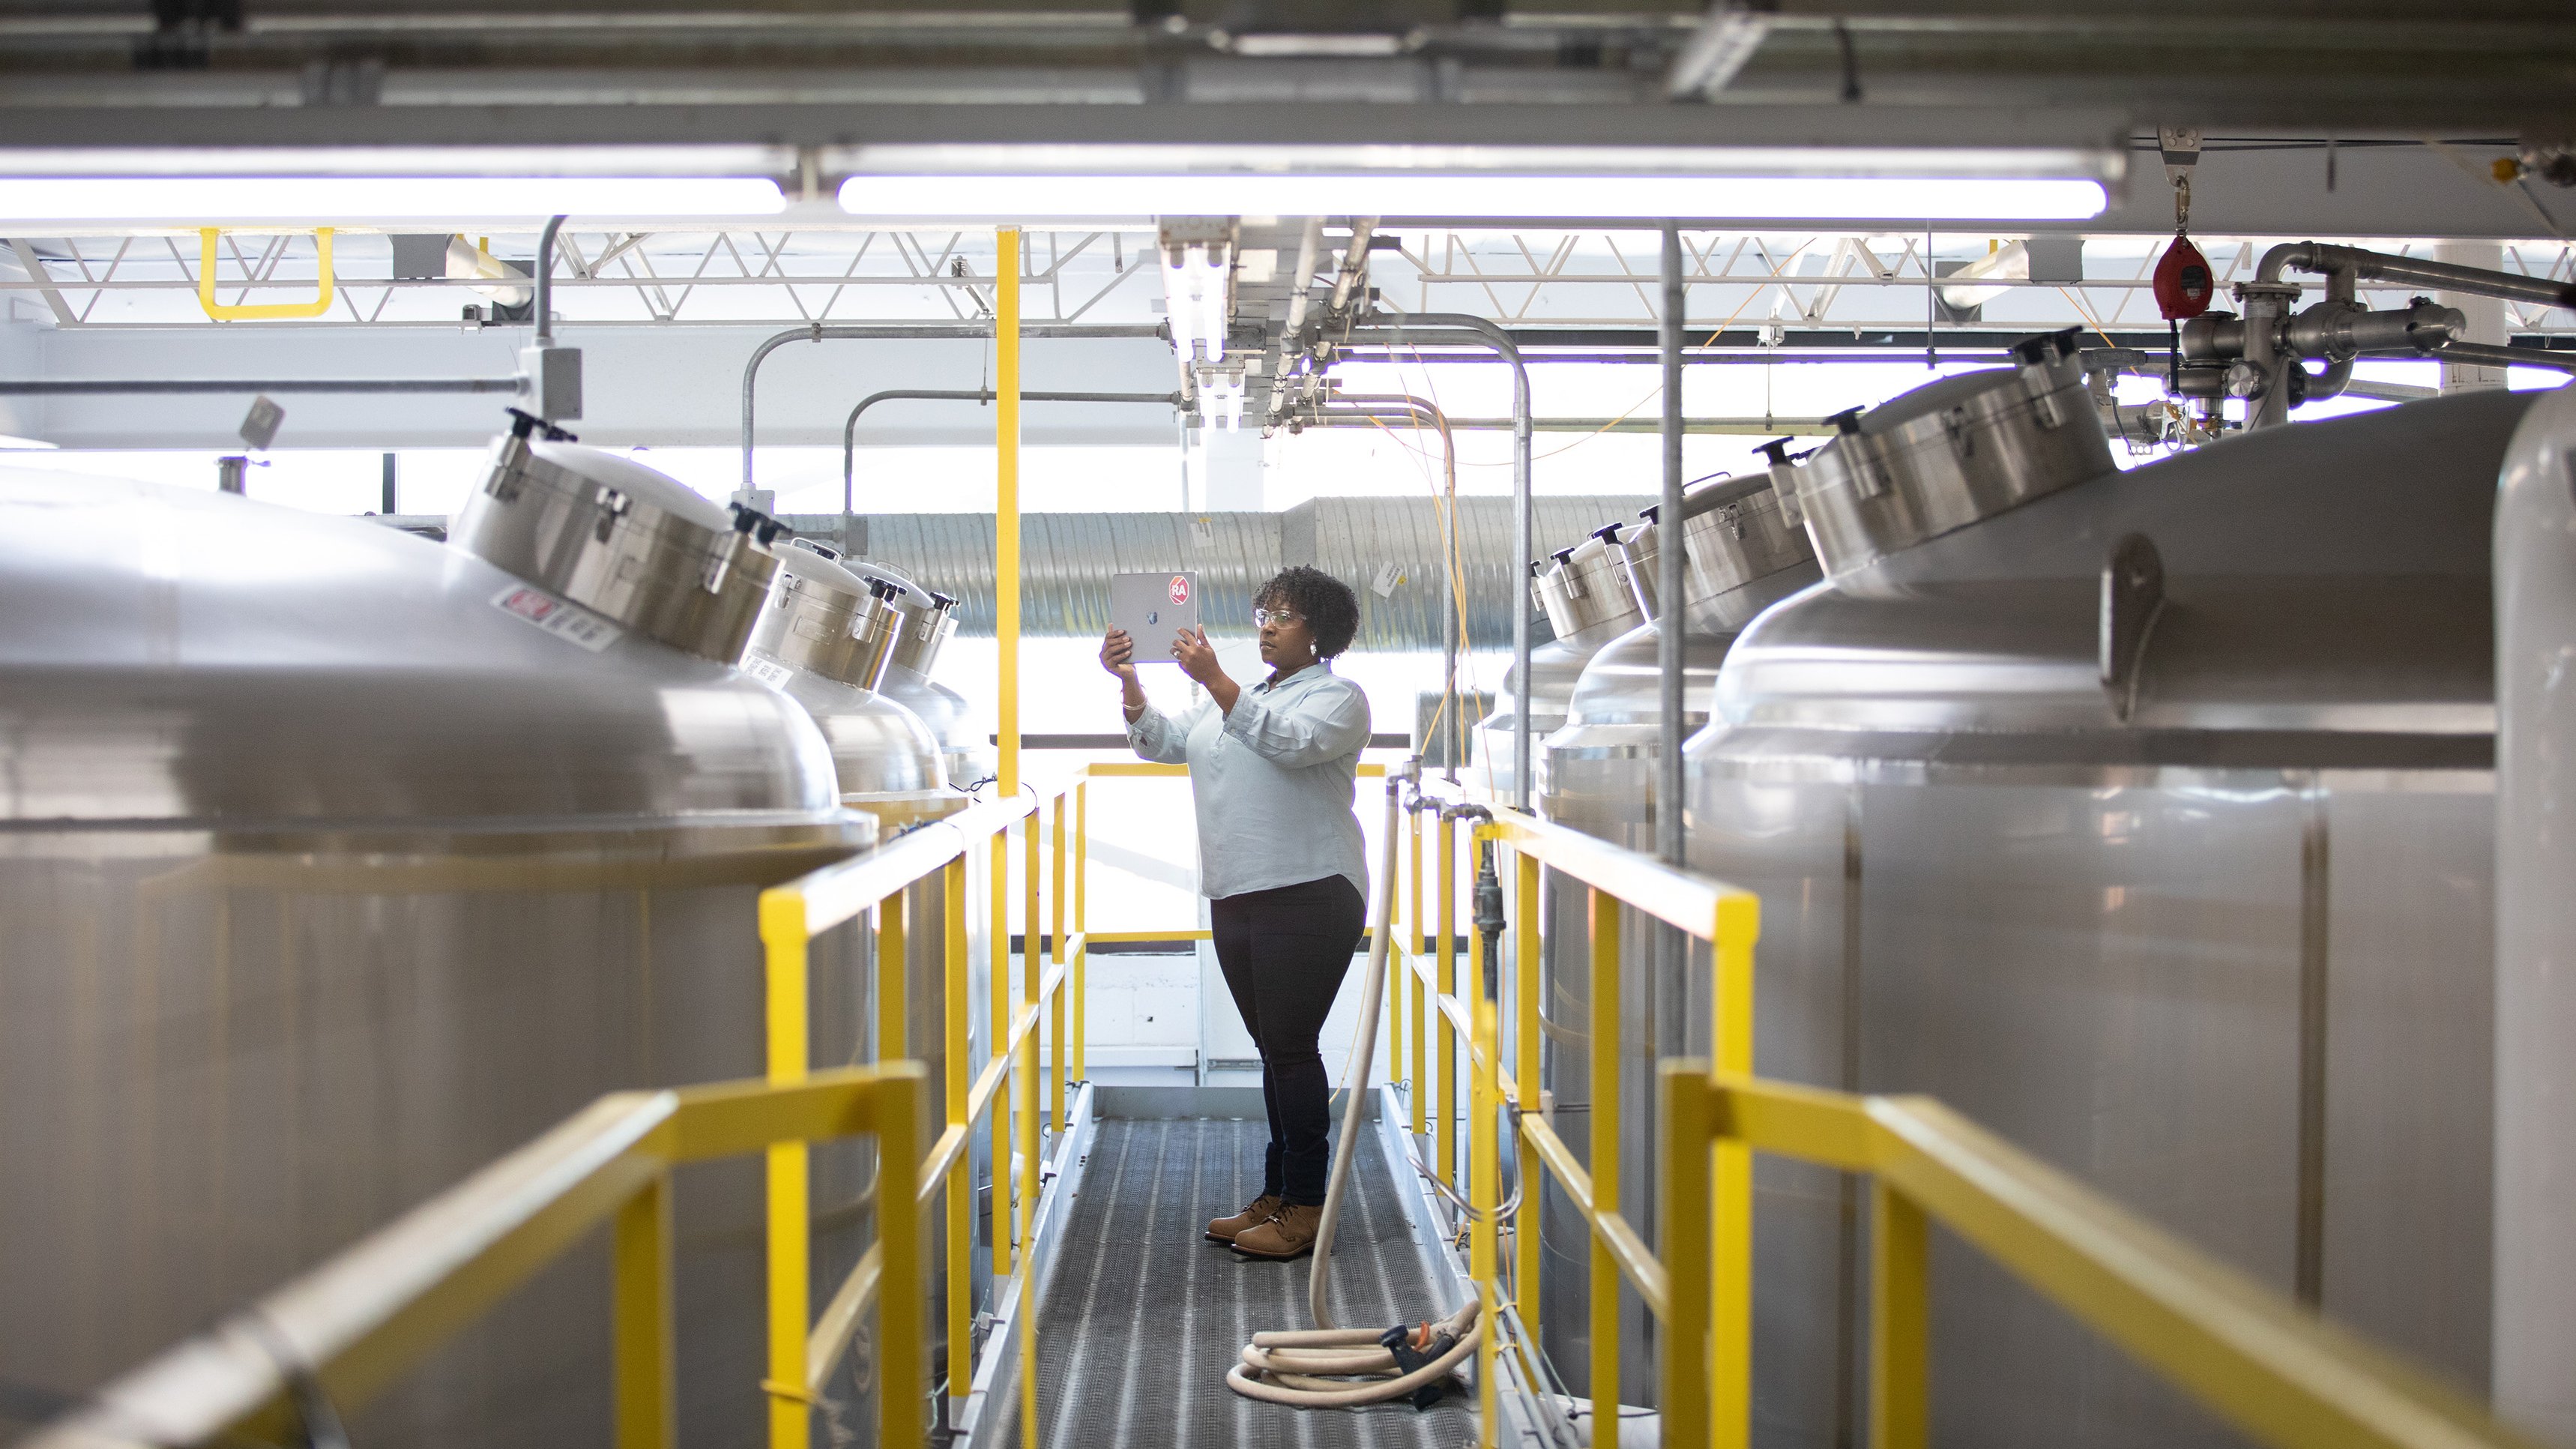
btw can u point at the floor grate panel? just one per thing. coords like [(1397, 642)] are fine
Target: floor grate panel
[(1144, 1316)]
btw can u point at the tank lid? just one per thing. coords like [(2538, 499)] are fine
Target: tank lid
[(816, 564)]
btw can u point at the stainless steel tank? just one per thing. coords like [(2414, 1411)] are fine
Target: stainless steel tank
[(929, 622), (2146, 819), (827, 638), (1597, 774), (338, 864), (1583, 590)]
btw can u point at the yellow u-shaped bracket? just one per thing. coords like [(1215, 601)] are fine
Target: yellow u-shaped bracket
[(259, 311)]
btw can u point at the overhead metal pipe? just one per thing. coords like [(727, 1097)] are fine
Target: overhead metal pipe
[(2369, 266), (2488, 352), (850, 427), (1731, 427), (1669, 556), (914, 331), (545, 293), (192, 386), (1363, 407), (1435, 327)]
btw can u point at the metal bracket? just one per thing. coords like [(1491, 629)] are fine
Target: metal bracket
[(2133, 598)]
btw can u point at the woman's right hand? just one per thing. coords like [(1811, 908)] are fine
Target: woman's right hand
[(1117, 655)]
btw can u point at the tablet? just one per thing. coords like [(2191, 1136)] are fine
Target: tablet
[(1153, 608)]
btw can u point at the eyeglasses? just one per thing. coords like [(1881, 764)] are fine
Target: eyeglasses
[(1264, 618)]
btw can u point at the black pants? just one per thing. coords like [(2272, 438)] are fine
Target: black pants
[(1284, 953)]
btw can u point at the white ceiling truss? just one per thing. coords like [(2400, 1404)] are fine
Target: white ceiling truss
[(1769, 284)]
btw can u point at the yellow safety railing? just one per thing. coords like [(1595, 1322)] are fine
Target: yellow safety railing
[(804, 1348), (356, 1324), (1438, 1002), (2272, 1368)]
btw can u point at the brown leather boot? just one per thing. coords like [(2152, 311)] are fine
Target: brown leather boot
[(1224, 1230), (1289, 1234)]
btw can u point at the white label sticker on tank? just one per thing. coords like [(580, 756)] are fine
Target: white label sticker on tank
[(1388, 576), (561, 618), (768, 671)]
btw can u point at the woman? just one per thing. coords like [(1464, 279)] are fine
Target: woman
[(1272, 772)]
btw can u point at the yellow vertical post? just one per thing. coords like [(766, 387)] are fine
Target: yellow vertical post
[(1525, 1237), (1900, 1322), (1739, 924), (1006, 501), (1689, 1118), (1024, 1072), (1444, 1102), (899, 1357), (893, 980), (997, 981), (961, 1175), (1055, 1009), (1484, 1192), (1413, 946), (1081, 926), (640, 1257), (782, 934), (1399, 965), (1032, 958), (1602, 1026)]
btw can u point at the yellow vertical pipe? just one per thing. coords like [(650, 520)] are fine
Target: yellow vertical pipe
[(640, 1257), (1081, 925), (1006, 499), (1900, 1322), (1444, 1102), (1399, 964), (1689, 1118), (1739, 924), (782, 934), (997, 981), (961, 1176), (899, 1313), (1602, 1025), (1484, 1191), (1413, 946), (893, 979), (1525, 1237), (1055, 1009)]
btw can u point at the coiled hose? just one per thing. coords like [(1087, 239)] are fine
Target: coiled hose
[(1327, 1367)]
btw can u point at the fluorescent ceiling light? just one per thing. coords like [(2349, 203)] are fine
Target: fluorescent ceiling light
[(193, 199), (1456, 194)]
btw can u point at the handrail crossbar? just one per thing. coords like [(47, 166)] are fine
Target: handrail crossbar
[(2275, 1370), (363, 1318)]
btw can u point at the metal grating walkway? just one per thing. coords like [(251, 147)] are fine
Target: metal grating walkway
[(1143, 1316)]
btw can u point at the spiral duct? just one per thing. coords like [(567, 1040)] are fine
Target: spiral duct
[(1386, 549)]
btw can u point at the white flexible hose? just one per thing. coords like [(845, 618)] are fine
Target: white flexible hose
[(1314, 1368)]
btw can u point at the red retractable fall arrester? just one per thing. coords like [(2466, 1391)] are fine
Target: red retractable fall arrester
[(2183, 282)]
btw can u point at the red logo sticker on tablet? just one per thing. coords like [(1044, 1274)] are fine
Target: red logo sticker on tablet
[(1180, 590)]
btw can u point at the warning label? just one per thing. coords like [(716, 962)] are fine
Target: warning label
[(559, 617)]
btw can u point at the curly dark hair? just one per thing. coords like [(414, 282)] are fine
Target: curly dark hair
[(1330, 609)]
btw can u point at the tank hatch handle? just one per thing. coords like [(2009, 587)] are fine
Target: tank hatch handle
[(524, 423), (1784, 479), (2133, 598)]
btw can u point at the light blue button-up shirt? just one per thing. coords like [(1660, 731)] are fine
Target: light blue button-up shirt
[(1274, 781)]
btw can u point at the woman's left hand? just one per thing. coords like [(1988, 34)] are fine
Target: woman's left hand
[(1196, 656)]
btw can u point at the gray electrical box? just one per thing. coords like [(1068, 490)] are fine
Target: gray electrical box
[(550, 380), (420, 257), (2057, 260)]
